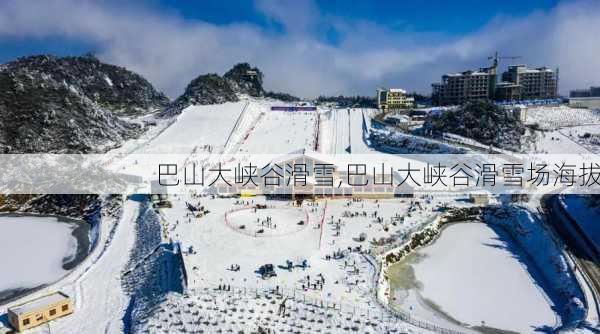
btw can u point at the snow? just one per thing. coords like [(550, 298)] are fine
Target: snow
[(527, 229), (197, 126), (558, 142), (553, 118), (346, 130), (39, 303), (587, 217), (587, 136), (94, 285), (214, 243), (108, 81), (340, 131), (281, 132), (482, 277), (249, 310), (38, 247), (130, 283), (402, 143), (267, 222)]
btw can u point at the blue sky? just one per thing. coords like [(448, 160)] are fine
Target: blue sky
[(309, 47), (451, 17)]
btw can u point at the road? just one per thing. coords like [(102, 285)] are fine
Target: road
[(585, 259)]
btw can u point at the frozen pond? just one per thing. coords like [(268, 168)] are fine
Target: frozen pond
[(473, 275), (38, 250)]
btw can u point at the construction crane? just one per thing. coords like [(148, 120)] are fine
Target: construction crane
[(496, 57)]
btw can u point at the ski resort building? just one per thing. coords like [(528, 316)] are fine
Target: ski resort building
[(39, 311), (480, 198), (394, 99), (293, 108)]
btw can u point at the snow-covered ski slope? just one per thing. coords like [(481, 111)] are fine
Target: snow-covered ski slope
[(245, 127), (197, 127), (281, 132), (248, 126), (343, 131)]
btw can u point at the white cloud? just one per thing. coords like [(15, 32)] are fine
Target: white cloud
[(170, 50)]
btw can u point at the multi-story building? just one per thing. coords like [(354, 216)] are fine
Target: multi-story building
[(458, 88), (592, 92), (536, 83), (585, 98), (507, 91), (394, 99), (518, 83)]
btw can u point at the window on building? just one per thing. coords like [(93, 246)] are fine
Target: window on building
[(39, 317), (25, 321), (65, 307), (52, 311)]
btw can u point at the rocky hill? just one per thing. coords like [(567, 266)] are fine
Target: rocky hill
[(481, 121), (113, 87), (214, 89), (70, 105), (244, 79), (205, 89)]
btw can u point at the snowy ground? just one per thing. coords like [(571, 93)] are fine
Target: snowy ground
[(264, 222), (587, 217), (281, 133), (553, 118), (588, 136), (564, 129), (197, 126), (558, 142), (348, 279), (331, 254), (341, 131), (38, 248), (482, 279), (95, 284), (245, 310)]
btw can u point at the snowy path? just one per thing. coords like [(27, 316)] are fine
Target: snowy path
[(99, 299), (341, 133), (357, 131), (95, 285)]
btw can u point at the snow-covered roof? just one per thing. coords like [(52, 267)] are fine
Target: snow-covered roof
[(39, 303), (400, 118), (466, 73), (507, 84)]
